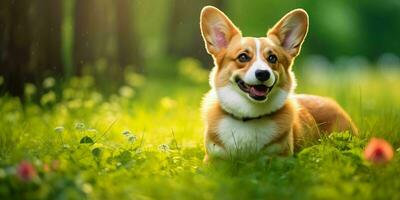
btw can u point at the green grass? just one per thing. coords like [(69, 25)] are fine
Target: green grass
[(147, 143)]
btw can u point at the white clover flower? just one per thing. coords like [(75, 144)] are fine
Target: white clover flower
[(163, 147), (80, 126), (59, 129)]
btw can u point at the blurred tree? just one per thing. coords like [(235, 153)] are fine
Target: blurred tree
[(46, 37), (128, 43), (105, 33), (15, 44), (380, 27), (94, 33), (30, 42), (184, 32)]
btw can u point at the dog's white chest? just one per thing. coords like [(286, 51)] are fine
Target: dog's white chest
[(249, 136)]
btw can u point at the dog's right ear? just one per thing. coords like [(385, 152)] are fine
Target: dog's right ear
[(291, 31), (217, 30)]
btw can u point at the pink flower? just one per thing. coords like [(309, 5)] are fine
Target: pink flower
[(378, 151), (26, 171)]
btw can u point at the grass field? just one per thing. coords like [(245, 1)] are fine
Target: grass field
[(145, 142)]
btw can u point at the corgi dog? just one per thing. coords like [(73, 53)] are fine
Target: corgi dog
[(251, 106)]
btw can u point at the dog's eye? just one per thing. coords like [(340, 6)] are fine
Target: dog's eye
[(243, 58), (272, 58)]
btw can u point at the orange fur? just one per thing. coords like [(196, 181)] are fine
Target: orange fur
[(327, 113)]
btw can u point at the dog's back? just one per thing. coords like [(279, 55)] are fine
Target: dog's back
[(328, 115)]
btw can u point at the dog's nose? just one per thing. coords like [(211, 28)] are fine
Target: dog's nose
[(262, 75)]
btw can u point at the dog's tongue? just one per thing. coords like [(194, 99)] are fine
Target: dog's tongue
[(258, 90)]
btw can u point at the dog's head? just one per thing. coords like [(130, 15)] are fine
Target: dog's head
[(252, 76)]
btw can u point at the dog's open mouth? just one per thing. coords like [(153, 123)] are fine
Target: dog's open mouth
[(257, 92)]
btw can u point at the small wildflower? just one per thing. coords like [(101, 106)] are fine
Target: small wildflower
[(49, 82), (48, 98), (126, 132), (59, 129), (132, 138), (26, 171), (378, 151), (29, 89), (163, 147), (126, 91), (80, 126), (87, 188), (66, 146), (37, 163)]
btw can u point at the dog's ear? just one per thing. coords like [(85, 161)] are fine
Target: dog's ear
[(217, 29), (291, 31)]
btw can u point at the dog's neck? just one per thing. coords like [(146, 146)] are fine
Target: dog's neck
[(245, 119), (240, 107)]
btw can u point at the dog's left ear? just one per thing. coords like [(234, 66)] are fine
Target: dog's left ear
[(291, 31)]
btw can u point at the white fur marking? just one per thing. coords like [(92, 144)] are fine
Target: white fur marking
[(238, 136), (212, 76), (250, 76), (234, 101)]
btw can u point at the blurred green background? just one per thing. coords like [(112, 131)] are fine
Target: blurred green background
[(64, 38), (111, 89)]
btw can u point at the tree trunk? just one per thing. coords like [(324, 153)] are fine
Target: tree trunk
[(184, 32), (46, 38), (83, 42), (30, 42), (94, 33), (15, 53), (129, 53)]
